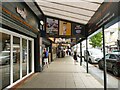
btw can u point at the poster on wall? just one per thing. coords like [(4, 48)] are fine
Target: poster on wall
[(51, 26), (65, 28), (78, 30)]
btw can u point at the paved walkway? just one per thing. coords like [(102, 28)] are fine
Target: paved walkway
[(62, 73)]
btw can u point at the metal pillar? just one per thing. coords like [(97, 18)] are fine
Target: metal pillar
[(86, 55), (80, 53), (105, 71)]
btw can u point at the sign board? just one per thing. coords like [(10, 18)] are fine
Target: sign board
[(62, 40), (78, 30), (64, 28), (107, 12), (51, 26), (22, 12)]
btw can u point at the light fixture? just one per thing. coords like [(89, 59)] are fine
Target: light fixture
[(41, 22), (6, 41)]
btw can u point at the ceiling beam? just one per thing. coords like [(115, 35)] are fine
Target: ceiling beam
[(64, 10), (73, 5), (66, 18), (64, 15)]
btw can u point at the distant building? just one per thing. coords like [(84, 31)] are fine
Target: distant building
[(112, 36)]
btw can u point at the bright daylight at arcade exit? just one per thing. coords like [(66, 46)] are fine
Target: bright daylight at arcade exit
[(60, 44)]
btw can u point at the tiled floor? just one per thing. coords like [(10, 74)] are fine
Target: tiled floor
[(62, 73)]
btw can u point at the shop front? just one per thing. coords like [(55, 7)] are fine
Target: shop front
[(18, 33), (16, 57)]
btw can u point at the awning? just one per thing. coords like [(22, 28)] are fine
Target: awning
[(79, 11)]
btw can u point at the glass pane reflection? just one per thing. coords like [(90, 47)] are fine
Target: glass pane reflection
[(24, 57), (16, 58), (4, 60)]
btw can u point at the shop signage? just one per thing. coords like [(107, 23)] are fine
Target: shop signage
[(51, 26), (78, 30), (22, 12), (105, 14), (15, 17)]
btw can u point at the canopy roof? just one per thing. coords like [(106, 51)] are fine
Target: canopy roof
[(79, 11)]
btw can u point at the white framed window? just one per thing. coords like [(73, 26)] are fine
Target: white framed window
[(20, 57)]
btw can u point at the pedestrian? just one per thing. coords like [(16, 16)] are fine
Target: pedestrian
[(75, 57), (45, 57)]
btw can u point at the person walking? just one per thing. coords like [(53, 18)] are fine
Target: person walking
[(75, 57), (45, 57)]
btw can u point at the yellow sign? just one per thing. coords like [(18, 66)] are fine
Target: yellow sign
[(65, 28)]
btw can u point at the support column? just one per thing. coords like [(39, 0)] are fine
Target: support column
[(86, 55), (80, 53), (105, 71)]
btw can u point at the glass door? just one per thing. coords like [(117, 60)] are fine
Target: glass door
[(24, 57), (16, 58)]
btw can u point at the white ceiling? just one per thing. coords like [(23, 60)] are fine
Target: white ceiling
[(79, 11)]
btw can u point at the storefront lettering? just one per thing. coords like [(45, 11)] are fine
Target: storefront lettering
[(106, 20), (18, 19), (100, 14), (23, 13)]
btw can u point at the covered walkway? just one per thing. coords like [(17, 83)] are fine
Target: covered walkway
[(62, 73)]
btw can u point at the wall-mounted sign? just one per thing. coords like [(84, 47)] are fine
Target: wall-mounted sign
[(62, 40), (78, 30), (52, 26), (65, 28), (22, 12)]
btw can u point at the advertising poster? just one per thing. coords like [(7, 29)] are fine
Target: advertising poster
[(78, 30), (65, 28), (51, 26)]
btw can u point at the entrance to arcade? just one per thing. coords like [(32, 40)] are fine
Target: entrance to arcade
[(76, 33)]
